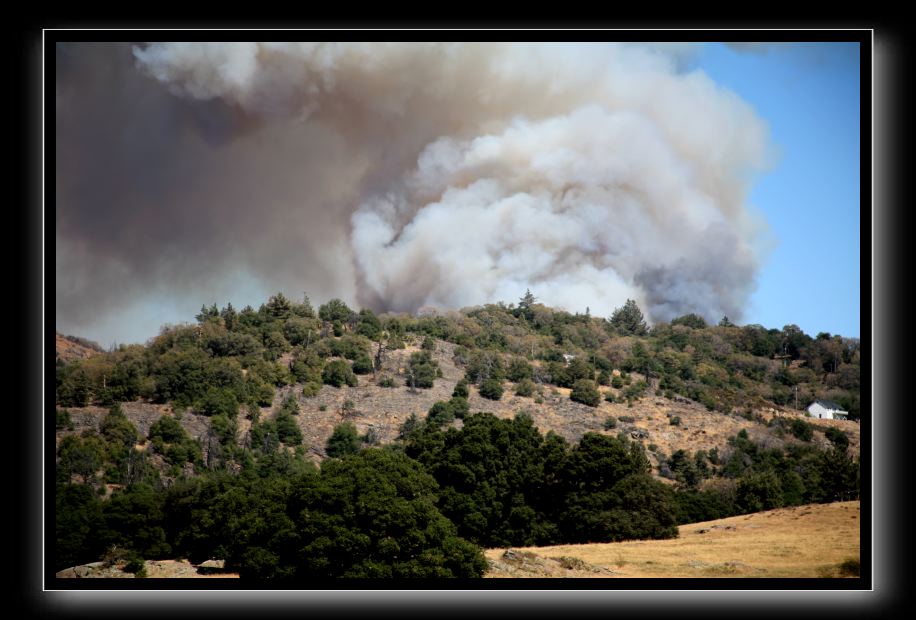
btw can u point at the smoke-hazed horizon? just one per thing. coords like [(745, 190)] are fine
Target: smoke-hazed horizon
[(400, 175)]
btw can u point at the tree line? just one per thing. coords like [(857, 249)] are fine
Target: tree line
[(424, 506)]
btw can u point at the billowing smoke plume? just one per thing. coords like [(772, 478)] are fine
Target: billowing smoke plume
[(402, 175)]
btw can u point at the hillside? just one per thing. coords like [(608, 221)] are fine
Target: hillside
[(386, 409), (72, 348), (514, 426)]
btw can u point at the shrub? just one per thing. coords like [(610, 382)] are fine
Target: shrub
[(371, 438), (492, 389), (348, 409), (338, 373), (254, 412), (135, 565), (362, 365), (460, 407), (422, 370), (485, 365), (610, 422), (290, 405), (634, 391), (343, 441), (525, 388), (387, 382), (410, 424), (63, 420), (224, 429), (802, 430), (609, 397), (584, 391), (519, 370), (440, 414), (287, 429), (461, 389), (837, 437), (429, 344), (310, 389), (368, 324), (674, 421)]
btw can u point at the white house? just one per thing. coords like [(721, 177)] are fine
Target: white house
[(827, 409)]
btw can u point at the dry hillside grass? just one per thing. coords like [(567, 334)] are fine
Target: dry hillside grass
[(801, 541)]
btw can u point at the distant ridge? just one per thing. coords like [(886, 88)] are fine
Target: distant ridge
[(72, 348)]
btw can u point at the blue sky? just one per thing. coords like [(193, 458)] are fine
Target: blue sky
[(809, 96)]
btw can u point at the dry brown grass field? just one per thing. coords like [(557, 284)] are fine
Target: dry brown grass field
[(801, 541)]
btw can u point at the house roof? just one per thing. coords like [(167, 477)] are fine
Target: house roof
[(828, 404)]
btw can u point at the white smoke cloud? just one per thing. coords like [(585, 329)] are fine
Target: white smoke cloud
[(590, 173)]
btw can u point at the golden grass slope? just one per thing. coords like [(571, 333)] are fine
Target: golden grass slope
[(801, 541)]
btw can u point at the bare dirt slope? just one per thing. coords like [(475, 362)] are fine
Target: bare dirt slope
[(801, 541), (70, 349), (155, 569)]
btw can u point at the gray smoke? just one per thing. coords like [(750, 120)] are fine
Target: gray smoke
[(397, 175)]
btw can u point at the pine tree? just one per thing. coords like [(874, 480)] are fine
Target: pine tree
[(629, 320), (524, 305)]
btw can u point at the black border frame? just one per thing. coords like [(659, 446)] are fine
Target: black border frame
[(886, 592)]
